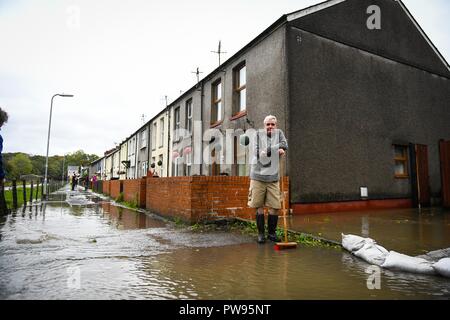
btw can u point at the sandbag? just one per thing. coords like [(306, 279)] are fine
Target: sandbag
[(398, 261), (372, 253), (442, 267), (354, 243)]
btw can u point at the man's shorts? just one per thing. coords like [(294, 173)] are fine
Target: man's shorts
[(264, 194)]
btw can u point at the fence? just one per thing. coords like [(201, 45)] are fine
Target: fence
[(21, 193)]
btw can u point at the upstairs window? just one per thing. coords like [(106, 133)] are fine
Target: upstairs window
[(143, 139), (177, 124), (240, 88), (401, 161), (155, 128), (189, 116), (216, 107), (161, 133)]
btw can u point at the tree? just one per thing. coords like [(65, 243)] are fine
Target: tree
[(19, 165), (38, 165), (79, 158)]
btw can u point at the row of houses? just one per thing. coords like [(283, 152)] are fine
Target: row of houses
[(365, 108)]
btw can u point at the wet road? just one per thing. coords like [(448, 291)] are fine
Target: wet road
[(86, 248)]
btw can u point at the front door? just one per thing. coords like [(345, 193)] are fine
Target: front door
[(444, 150), (420, 177)]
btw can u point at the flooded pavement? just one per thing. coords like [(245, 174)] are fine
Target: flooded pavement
[(79, 246), (409, 231)]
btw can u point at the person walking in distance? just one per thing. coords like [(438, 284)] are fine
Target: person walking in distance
[(74, 180), (270, 144)]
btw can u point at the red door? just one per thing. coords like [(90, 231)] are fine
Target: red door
[(444, 148), (423, 179)]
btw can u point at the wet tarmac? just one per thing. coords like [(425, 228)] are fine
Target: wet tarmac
[(80, 246)]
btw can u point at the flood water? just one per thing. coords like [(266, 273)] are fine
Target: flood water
[(409, 231), (87, 248)]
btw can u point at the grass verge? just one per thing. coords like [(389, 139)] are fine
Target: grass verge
[(20, 200), (250, 229)]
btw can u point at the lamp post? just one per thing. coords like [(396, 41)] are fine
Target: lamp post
[(48, 139)]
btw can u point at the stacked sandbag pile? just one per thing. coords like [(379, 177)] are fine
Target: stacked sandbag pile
[(365, 248), (369, 251), (442, 267)]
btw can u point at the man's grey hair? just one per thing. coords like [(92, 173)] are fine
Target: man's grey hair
[(270, 117), (3, 117)]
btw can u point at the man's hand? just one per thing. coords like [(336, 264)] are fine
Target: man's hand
[(281, 152)]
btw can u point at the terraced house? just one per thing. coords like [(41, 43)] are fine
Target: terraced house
[(360, 91)]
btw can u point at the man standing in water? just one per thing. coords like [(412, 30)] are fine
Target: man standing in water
[(270, 144)]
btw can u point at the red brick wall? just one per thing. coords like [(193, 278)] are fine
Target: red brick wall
[(106, 187), (135, 190), (201, 198), (170, 196), (114, 188)]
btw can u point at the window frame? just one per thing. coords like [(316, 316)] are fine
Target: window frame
[(238, 88), (404, 159), (216, 102), (154, 135), (161, 168), (177, 123), (143, 139), (189, 115), (161, 132)]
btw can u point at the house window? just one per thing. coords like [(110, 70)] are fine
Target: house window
[(177, 123), (155, 128), (189, 116), (241, 158), (161, 133), (215, 165), (240, 88), (144, 168), (188, 161), (161, 166), (216, 106), (143, 139), (178, 167), (401, 161)]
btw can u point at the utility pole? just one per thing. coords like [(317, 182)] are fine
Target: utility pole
[(219, 50)]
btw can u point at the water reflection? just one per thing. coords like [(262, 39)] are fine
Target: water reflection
[(122, 254), (409, 231), (126, 219)]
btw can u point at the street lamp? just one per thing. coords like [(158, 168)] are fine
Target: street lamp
[(48, 139)]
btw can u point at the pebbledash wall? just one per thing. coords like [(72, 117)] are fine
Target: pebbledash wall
[(192, 199)]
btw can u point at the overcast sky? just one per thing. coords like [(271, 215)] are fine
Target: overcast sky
[(120, 58)]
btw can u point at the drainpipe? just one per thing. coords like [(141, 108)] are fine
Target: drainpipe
[(148, 147), (201, 120), (136, 156), (168, 141)]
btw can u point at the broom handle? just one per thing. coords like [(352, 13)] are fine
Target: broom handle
[(282, 198)]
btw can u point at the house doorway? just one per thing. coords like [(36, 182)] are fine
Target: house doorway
[(444, 150), (420, 180)]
